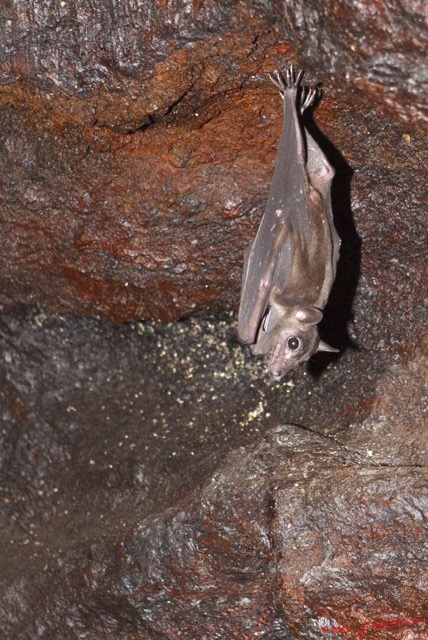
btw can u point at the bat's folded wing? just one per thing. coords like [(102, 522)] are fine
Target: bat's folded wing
[(260, 262)]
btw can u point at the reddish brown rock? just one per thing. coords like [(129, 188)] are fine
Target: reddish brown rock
[(146, 489), (142, 225), (138, 145)]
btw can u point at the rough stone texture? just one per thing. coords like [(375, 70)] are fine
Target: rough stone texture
[(138, 139), (376, 46), (121, 518), (148, 489)]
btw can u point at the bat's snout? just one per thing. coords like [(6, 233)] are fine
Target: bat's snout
[(277, 374), (277, 368)]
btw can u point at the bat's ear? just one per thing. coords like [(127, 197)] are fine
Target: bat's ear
[(308, 315), (323, 346)]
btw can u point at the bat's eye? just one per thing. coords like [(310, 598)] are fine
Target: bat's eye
[(293, 343)]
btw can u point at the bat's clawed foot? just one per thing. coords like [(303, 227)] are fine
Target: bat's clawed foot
[(279, 82), (308, 97), (290, 80), (293, 77)]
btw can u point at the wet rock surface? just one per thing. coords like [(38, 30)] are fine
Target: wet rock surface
[(154, 481)]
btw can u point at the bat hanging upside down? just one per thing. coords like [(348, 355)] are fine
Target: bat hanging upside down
[(290, 266)]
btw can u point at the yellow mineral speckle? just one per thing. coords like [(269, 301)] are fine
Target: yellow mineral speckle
[(258, 411)]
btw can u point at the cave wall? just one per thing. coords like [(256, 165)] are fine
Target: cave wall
[(155, 483)]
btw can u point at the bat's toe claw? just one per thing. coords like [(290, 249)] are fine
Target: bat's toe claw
[(289, 80), (277, 79), (308, 98)]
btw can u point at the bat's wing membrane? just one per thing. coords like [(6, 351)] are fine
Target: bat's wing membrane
[(260, 260), (267, 260), (321, 175)]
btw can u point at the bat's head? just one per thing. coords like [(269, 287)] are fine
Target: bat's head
[(290, 336)]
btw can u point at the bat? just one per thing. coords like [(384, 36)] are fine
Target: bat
[(290, 266)]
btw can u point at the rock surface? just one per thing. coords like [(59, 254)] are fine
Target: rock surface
[(376, 47), (153, 481), (138, 144), (148, 489)]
